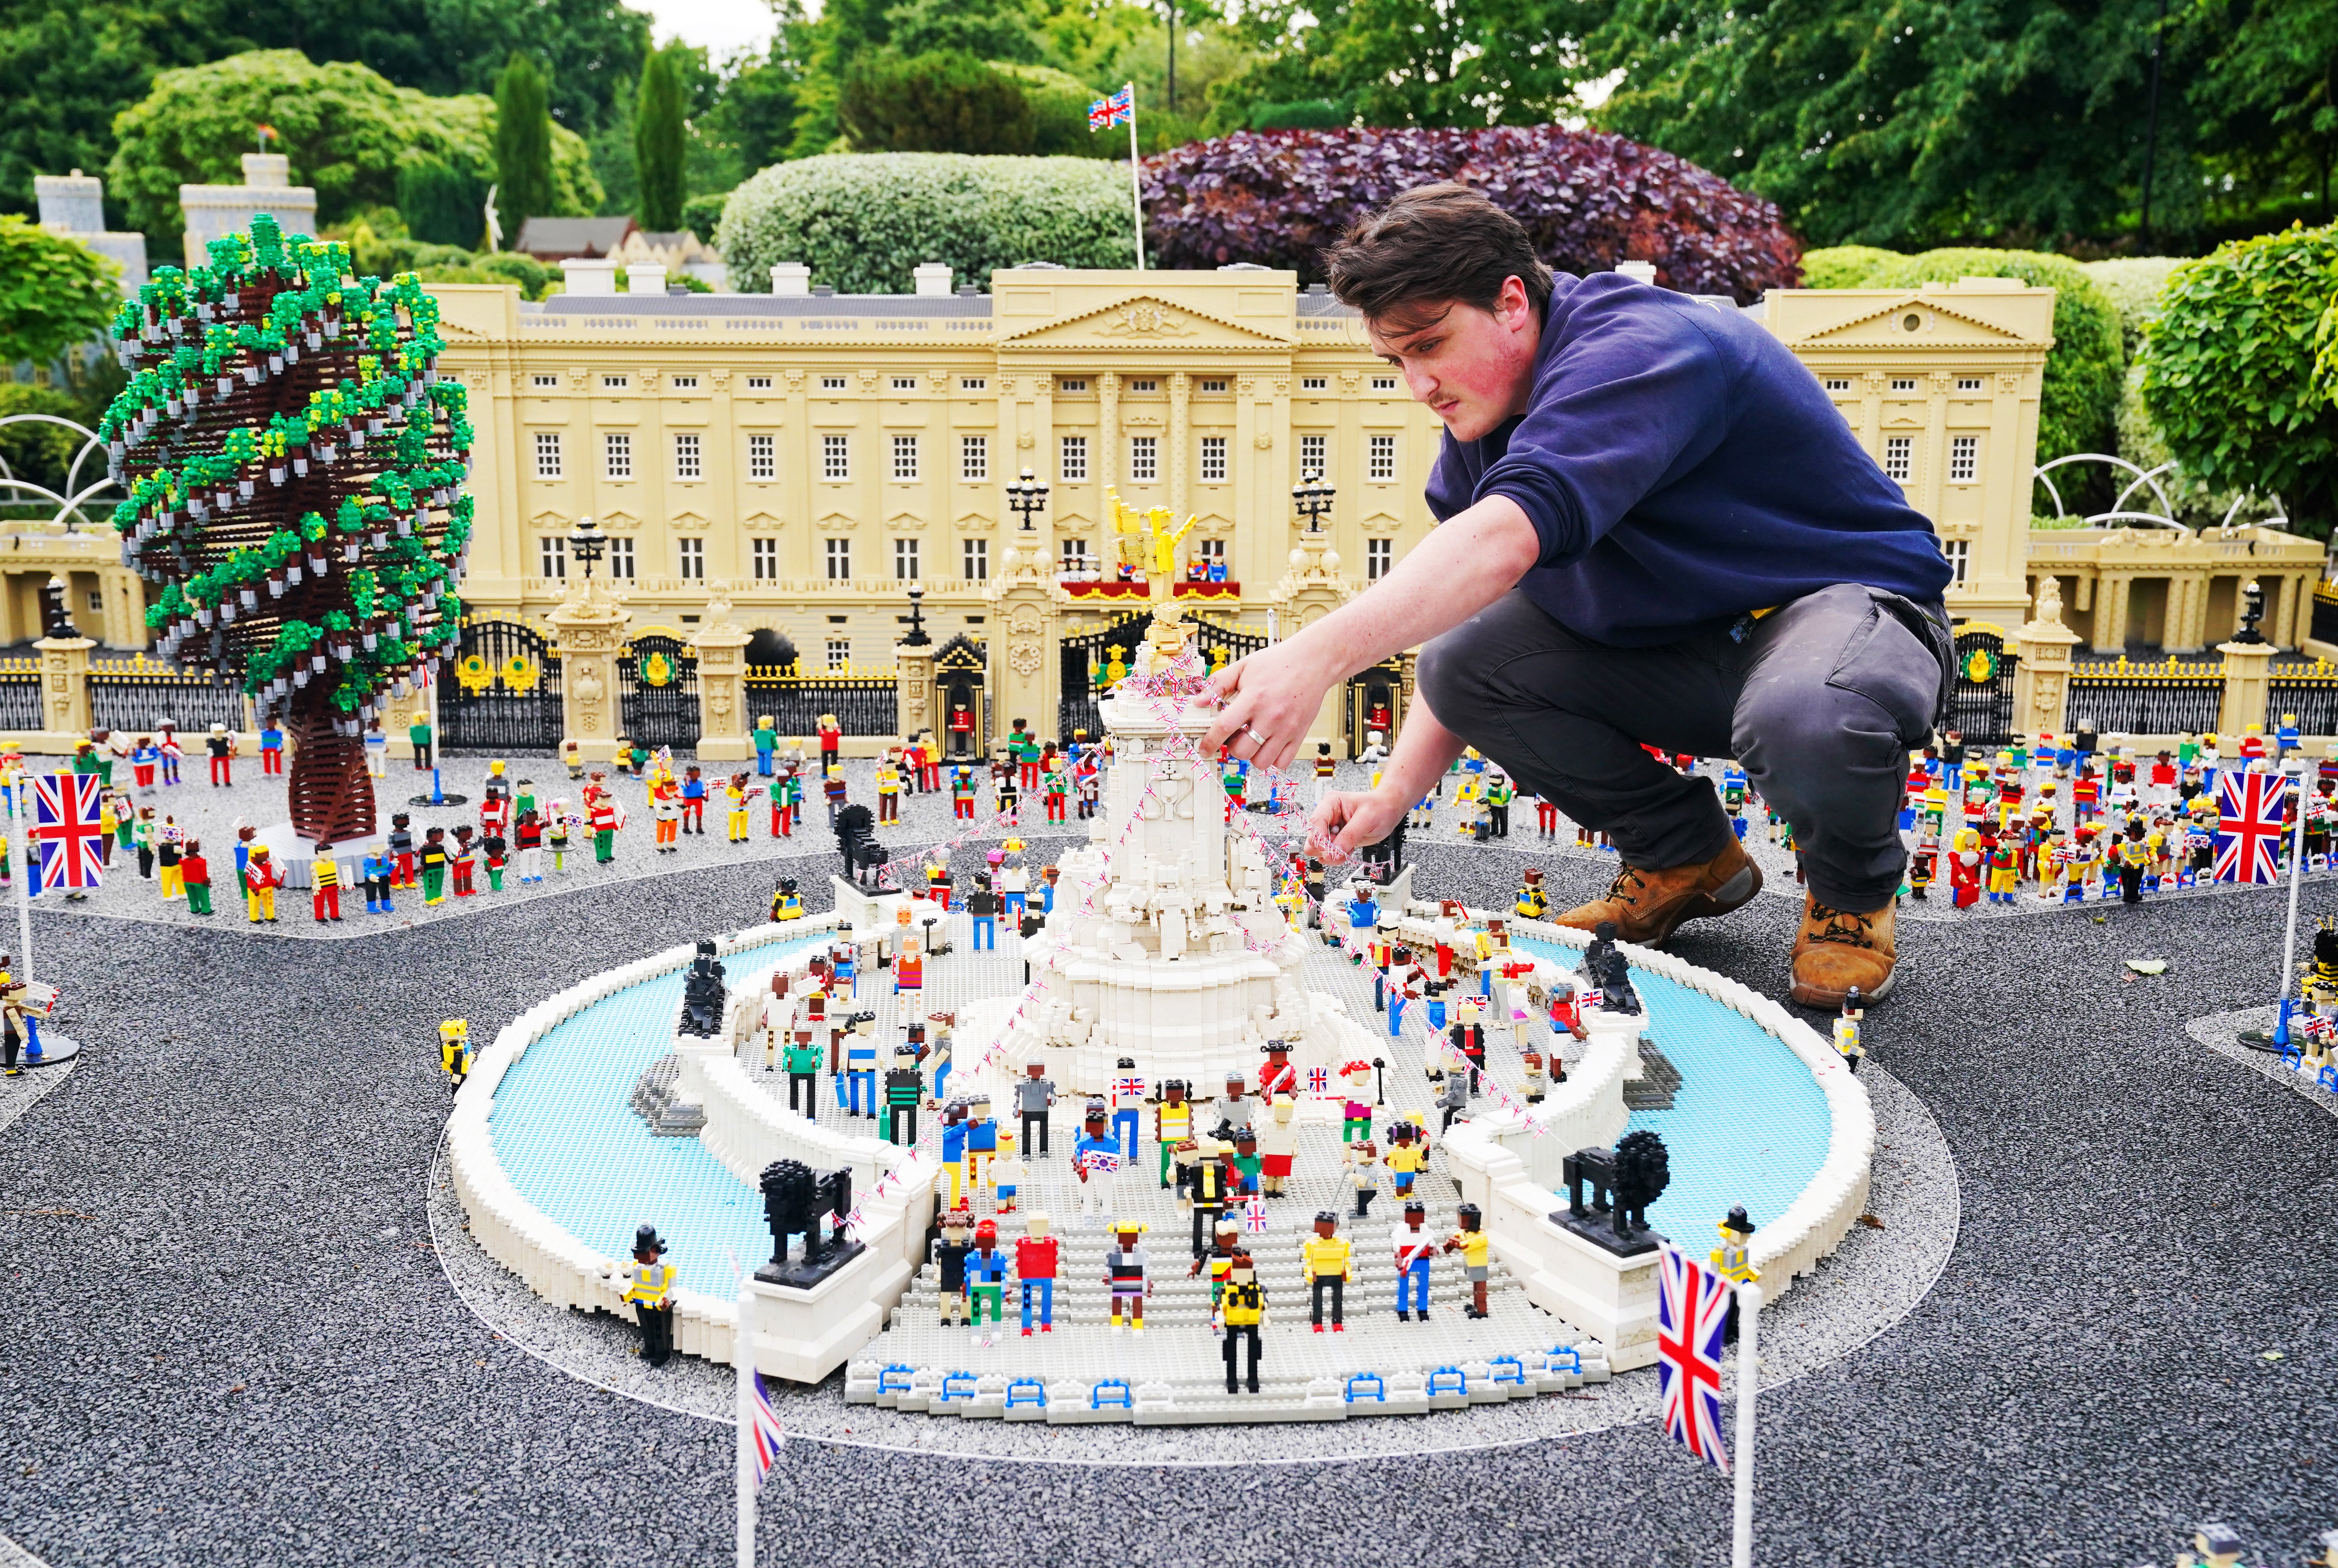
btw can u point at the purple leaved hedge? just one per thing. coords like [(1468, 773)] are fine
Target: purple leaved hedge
[(1281, 197)]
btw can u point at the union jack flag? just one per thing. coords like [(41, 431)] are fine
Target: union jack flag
[(769, 1435), (1117, 110), (1099, 1162), (1254, 1215), (1692, 1314), (2251, 812), (1319, 1081), (1129, 1089), (65, 834)]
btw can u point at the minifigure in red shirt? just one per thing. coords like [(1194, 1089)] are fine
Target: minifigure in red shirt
[(1036, 1255), (832, 741)]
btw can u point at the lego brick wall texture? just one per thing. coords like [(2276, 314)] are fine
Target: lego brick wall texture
[(250, 1353)]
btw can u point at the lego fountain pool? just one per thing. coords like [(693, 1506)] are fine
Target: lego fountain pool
[(1745, 1106)]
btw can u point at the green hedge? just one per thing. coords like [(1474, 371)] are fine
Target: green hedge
[(2229, 371), (2133, 285), (863, 222), (1844, 266)]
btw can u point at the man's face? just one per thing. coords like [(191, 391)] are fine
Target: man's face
[(1472, 367)]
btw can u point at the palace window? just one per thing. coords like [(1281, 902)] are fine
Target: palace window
[(974, 560), (1143, 459), (1898, 457), (839, 552), (547, 453), (551, 555), (685, 383), (1074, 464), (1964, 459), (762, 457), (1903, 382), (1968, 383), (1315, 455), (543, 381), (1214, 388), (1213, 459), (1383, 383), (615, 383), (759, 383), (905, 560), (689, 457), (835, 457), (1379, 554), (905, 382), (765, 557), (831, 383), (1075, 555), (1315, 383), (1382, 458), (621, 560), (973, 383), (840, 653), (905, 458), (693, 558), (617, 453), (973, 457)]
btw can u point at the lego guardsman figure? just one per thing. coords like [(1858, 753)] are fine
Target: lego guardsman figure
[(1124, 1265), (649, 1286), (1532, 903), (1240, 1311), (455, 1052)]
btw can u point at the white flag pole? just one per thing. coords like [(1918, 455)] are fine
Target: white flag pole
[(24, 882), (2294, 769), (1749, 1319), (1136, 192), (742, 1357)]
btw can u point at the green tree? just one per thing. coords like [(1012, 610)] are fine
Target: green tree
[(2269, 97), (756, 113), (2229, 365), (523, 143), (69, 67), (953, 26), (445, 205), (939, 103), (1907, 121), (346, 130), (661, 143), (55, 293), (1399, 62)]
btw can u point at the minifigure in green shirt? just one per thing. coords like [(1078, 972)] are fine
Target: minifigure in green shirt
[(419, 732)]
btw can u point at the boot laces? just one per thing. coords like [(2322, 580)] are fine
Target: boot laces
[(1625, 888), (1842, 926)]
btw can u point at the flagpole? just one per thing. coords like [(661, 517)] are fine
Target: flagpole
[(24, 882), (1136, 191), (2293, 767), (742, 1357), (1749, 1371)]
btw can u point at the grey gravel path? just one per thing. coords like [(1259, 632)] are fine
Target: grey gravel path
[(250, 1351)]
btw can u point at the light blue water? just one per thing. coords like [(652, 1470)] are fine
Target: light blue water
[(1749, 1125), (574, 1147)]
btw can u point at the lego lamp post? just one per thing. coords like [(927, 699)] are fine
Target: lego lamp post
[(918, 637), (587, 542), (295, 469), (2252, 611), (1312, 497), (56, 615), (1027, 499)]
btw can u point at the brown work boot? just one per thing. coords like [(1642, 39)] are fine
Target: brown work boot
[(1646, 905), (1836, 950)]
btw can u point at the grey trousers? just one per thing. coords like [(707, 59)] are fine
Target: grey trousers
[(1821, 700)]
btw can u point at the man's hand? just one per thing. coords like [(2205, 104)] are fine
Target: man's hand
[(1350, 820), (1267, 702)]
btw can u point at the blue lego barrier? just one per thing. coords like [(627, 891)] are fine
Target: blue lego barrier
[(951, 1388), (885, 1384), (1460, 1384), (1380, 1388), (1037, 1394), (2292, 1055), (1574, 1357), (2328, 1079), (1096, 1400), (1517, 1373)]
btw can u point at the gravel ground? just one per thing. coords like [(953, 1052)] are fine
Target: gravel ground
[(252, 1354)]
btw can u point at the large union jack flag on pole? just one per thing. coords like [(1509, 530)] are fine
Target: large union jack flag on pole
[(2251, 812), (65, 834), (1691, 1316), (1117, 110), (768, 1437)]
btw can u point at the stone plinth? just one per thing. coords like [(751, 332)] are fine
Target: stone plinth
[(592, 627)]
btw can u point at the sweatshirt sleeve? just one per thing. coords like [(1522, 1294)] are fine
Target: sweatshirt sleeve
[(1635, 395)]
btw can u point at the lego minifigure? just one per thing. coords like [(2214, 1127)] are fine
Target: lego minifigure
[(1471, 1241), (649, 1286), (1536, 1084), (1326, 1262), (1124, 1265), (1405, 1160), (603, 816), (461, 859), (1218, 1258), (262, 878), (195, 872), (374, 870), (1033, 1096), (1362, 1161), (1846, 1030), (985, 1276), (1240, 1311), (1127, 1100), (1245, 1158), (1532, 902), (222, 745), (325, 887), (860, 1069), (949, 1251), (1095, 1164), (982, 909), (1414, 1247), (766, 740), (1234, 1106), (2215, 1545), (787, 904), (1037, 1256), (1173, 1125), (954, 1148), (665, 816), (1356, 1111), (455, 1052), (1203, 1178), (905, 1090), (1467, 1037), (1009, 1172)]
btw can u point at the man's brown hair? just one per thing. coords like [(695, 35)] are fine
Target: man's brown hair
[(1407, 264)]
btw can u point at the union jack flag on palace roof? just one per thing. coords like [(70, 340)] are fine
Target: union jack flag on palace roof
[(2251, 812), (65, 833), (1691, 1316), (1117, 110)]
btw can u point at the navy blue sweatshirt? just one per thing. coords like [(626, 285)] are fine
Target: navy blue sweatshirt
[(1682, 467)]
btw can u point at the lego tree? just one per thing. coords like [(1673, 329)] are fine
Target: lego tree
[(295, 469)]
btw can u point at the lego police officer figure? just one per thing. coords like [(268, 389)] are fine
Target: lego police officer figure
[(1242, 1309), (649, 1286)]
